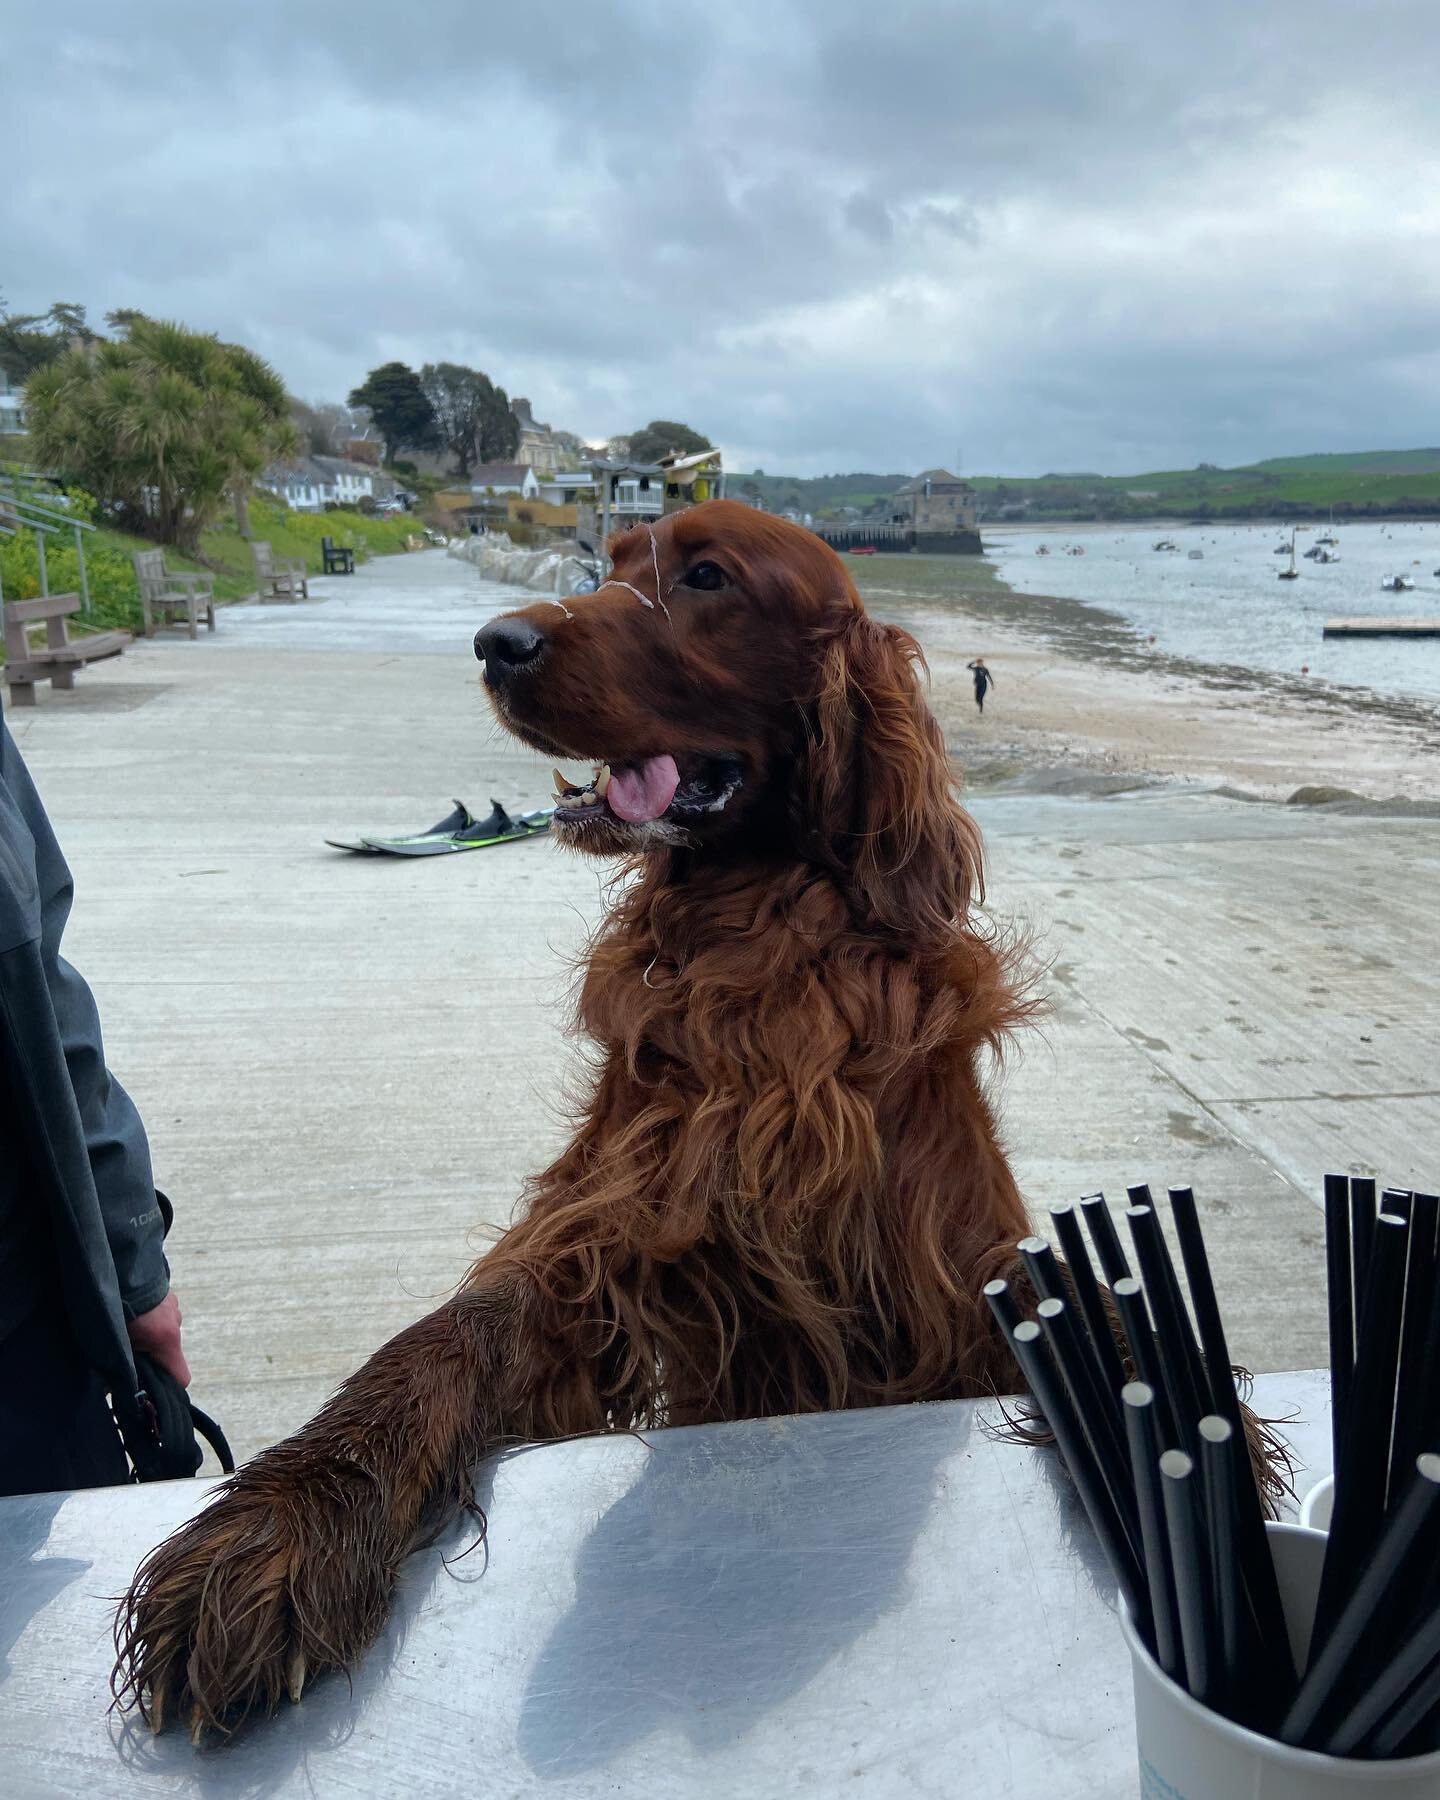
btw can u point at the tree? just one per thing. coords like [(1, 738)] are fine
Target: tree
[(499, 428), (662, 436), (31, 341), (466, 403), (159, 423), (395, 400)]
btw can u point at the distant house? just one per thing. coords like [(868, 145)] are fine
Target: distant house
[(567, 487), (935, 503), (692, 479), (538, 449), (311, 483), (12, 405), (504, 478)]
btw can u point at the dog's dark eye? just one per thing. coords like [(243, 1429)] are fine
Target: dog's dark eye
[(705, 576)]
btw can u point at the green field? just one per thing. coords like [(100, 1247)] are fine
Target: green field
[(115, 598), (1366, 483)]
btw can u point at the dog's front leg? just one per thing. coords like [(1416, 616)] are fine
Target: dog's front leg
[(289, 1571)]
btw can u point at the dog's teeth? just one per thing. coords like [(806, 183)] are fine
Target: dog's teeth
[(589, 798), (562, 785), (295, 1675), (602, 780)]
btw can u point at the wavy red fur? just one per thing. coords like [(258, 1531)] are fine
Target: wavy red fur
[(788, 1188)]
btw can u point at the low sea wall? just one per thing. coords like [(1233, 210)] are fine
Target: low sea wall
[(547, 571)]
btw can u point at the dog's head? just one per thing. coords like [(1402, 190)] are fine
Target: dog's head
[(730, 692)]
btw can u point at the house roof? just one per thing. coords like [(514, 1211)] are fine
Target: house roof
[(499, 475), (936, 478), (526, 417), (674, 465), (340, 465)]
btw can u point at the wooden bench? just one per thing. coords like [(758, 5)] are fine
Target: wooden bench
[(164, 592), (57, 659), (339, 559), (279, 578)]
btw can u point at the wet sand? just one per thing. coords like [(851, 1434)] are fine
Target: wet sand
[(1082, 703)]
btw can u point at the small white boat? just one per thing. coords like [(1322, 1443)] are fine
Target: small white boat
[(1165, 544), (1397, 584), (1196, 555)]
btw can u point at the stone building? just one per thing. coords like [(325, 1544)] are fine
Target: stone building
[(935, 501), (538, 449)]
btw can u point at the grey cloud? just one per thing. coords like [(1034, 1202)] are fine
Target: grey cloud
[(1057, 235)]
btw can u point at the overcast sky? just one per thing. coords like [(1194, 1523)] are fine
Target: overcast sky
[(841, 234)]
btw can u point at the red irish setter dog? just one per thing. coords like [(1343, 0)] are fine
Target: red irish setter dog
[(788, 1188)]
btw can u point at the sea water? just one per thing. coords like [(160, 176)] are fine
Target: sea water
[(1230, 607)]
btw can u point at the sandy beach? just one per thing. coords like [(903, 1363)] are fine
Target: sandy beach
[(1078, 694)]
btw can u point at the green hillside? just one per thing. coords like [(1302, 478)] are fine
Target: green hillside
[(822, 495), (1355, 484), (1362, 484)]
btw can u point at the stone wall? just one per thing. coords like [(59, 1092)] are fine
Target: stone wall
[(497, 559)]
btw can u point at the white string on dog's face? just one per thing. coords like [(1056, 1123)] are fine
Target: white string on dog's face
[(629, 586)]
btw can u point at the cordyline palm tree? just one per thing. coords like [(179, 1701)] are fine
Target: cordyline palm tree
[(160, 422)]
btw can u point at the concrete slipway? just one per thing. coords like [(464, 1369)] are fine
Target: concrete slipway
[(347, 1066)]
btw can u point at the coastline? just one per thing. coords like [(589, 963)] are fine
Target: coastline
[(1082, 702)]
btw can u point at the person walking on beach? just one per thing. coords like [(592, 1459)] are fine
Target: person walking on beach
[(84, 1283), (984, 680)]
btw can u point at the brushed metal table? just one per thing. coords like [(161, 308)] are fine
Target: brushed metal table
[(878, 1603)]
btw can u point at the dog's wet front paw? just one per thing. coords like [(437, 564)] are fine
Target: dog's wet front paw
[(238, 1610)]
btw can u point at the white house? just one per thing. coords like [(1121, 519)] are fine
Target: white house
[(12, 405), (311, 483), (504, 478), (348, 482), (568, 486)]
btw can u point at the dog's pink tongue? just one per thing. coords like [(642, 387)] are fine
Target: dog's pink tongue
[(643, 791)]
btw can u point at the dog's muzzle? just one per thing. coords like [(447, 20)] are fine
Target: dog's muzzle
[(505, 645)]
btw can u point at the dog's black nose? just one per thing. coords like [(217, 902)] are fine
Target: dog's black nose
[(506, 644)]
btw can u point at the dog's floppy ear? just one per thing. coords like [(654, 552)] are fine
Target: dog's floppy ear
[(880, 787)]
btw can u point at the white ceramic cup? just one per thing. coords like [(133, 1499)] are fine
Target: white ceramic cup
[(1318, 1505), (1188, 1752)]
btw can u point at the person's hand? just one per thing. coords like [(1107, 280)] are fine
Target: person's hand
[(157, 1333)]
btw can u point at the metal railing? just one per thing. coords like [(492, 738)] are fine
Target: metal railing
[(18, 511)]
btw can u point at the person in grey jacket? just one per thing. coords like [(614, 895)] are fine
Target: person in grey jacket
[(83, 1275)]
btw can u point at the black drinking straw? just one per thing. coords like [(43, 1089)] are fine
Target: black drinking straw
[(1142, 1433), (1362, 1236), (1172, 1328), (1002, 1304), (1404, 1555), (1256, 1561), (1098, 1412), (1416, 1713), (1413, 1423), (1387, 1687), (1340, 1285), (1129, 1299), (1045, 1384), (1363, 1472), (1219, 1379), (1042, 1268), (1397, 1201), (1225, 1469), (1189, 1558), (1105, 1237), (1092, 1306)]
